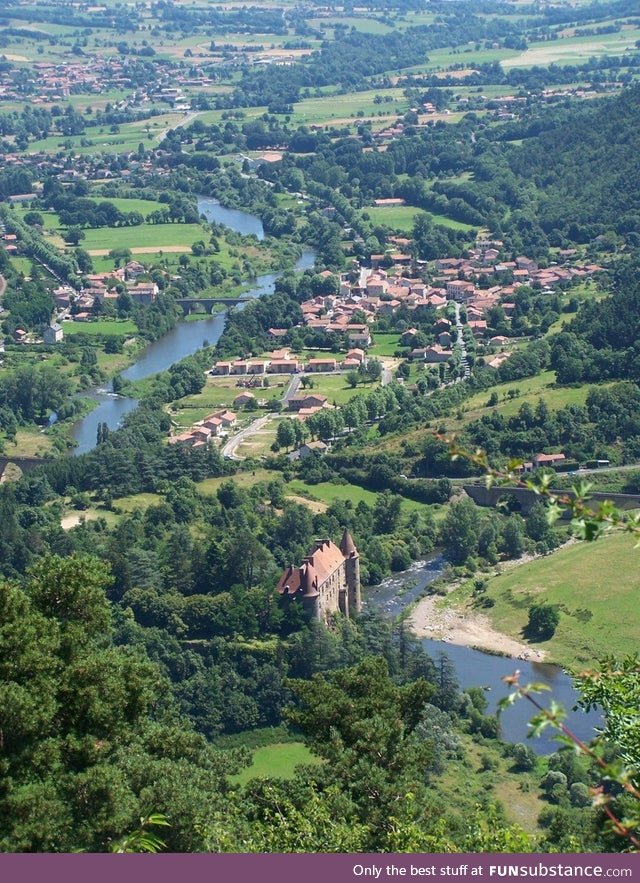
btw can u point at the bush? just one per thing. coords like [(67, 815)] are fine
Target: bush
[(543, 621)]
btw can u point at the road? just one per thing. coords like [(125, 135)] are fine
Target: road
[(231, 446), (187, 118), (3, 285), (464, 361), (293, 388)]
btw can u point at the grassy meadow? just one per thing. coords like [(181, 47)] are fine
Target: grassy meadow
[(598, 610)]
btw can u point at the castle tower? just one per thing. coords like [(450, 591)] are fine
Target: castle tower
[(352, 572), (309, 587)]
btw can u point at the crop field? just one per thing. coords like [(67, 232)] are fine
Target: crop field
[(576, 50), (148, 132), (598, 613)]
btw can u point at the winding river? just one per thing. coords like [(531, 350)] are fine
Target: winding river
[(473, 668), (476, 669), (183, 340)]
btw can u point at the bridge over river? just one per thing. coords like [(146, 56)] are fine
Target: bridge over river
[(189, 304), (525, 498)]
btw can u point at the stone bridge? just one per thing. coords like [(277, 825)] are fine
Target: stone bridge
[(525, 498), (188, 304)]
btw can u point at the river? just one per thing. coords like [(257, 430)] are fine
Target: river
[(476, 669), (183, 340)]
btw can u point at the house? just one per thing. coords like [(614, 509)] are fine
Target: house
[(317, 365), (256, 367), (283, 366), (243, 399), (436, 353), (499, 340), (478, 327), (548, 460), (309, 448), (221, 368), (227, 418), (444, 338), (20, 335), (357, 355), (359, 338), (309, 400), (53, 334)]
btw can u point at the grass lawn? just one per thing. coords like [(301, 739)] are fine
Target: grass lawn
[(242, 479), (576, 50), (336, 388), (596, 587), (151, 237), (327, 492), (137, 501), (399, 217), (144, 206), (108, 327), (331, 107), (30, 442), (219, 392), (384, 344), (129, 136), (276, 761)]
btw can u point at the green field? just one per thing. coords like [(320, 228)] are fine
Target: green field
[(576, 50), (96, 140), (529, 390), (327, 492), (108, 327), (276, 761), (336, 388), (150, 237), (596, 586), (384, 344), (398, 217)]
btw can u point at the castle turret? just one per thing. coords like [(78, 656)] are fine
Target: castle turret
[(352, 572), (309, 587)]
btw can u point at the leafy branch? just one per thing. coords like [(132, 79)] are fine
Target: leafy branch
[(614, 772)]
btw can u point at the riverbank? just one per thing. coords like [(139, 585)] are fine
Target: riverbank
[(466, 628), (454, 621)]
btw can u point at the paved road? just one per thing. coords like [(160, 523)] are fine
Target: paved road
[(3, 285), (231, 446), (292, 389), (463, 349)]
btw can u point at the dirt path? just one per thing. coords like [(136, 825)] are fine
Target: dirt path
[(3, 285)]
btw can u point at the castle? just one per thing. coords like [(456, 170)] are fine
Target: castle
[(327, 581)]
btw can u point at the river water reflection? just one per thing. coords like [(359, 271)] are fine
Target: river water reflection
[(476, 669), (183, 340)]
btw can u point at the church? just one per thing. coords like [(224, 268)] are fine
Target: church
[(327, 581)]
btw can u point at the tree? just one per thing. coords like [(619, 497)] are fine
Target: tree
[(543, 621), (460, 531), (74, 235), (285, 434)]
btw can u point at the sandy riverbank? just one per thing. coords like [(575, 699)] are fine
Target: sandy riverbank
[(467, 628)]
